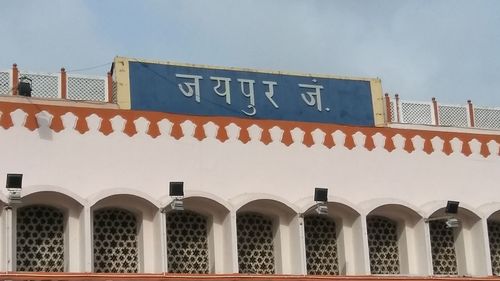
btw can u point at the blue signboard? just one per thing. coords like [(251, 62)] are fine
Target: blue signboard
[(197, 90)]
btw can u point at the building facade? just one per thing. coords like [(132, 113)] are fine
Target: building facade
[(95, 195)]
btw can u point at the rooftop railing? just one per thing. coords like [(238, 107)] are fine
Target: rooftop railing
[(70, 86), (61, 85), (446, 115)]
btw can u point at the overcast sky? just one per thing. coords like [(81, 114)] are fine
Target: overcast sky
[(420, 49)]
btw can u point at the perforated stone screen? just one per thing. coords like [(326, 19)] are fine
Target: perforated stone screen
[(255, 244), (321, 245), (115, 241), (187, 246), (5, 83), (444, 260), (383, 245), (487, 118), (40, 239), (392, 109), (455, 116), (494, 237), (416, 113), (84, 88)]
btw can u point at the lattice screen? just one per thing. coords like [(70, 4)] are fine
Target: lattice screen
[(383, 245), (494, 237), (115, 241), (81, 88), (255, 244), (392, 108), (5, 83), (114, 96), (43, 85), (416, 113), (40, 239), (321, 245), (444, 260), (187, 246), (455, 116), (487, 118)]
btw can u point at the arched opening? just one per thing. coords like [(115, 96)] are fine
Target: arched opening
[(187, 242), (383, 245), (337, 239), (140, 229), (494, 241), (395, 235), (270, 229), (48, 222), (115, 241), (321, 245), (457, 250), (255, 236), (40, 239)]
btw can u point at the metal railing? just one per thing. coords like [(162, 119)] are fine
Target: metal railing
[(59, 85), (434, 113)]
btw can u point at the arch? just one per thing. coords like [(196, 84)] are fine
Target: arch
[(72, 208), (410, 231), (370, 206), (307, 204), (149, 223), (286, 227), (110, 193), (436, 208), (69, 195), (490, 210), (64, 201), (244, 200), (210, 197), (471, 231), (349, 232)]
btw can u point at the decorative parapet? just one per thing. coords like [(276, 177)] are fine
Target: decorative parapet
[(85, 120)]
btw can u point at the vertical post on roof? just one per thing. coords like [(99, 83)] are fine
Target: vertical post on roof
[(64, 84), (109, 87), (435, 111), (471, 113), (15, 79), (398, 113), (388, 108)]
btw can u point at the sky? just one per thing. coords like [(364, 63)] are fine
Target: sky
[(448, 49)]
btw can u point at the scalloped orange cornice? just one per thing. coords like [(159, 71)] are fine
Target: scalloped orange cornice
[(106, 114)]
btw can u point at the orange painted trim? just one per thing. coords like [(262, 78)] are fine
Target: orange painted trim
[(471, 113), (64, 84), (18, 276), (388, 108), (436, 112), (106, 114), (15, 80)]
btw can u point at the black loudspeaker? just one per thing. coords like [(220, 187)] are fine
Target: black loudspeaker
[(320, 194), (14, 181), (176, 188), (24, 87), (452, 207)]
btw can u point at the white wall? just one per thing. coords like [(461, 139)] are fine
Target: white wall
[(93, 165)]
